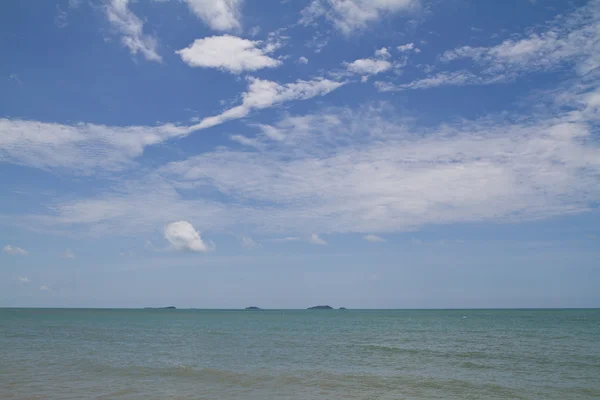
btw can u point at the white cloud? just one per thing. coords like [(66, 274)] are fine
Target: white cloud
[(373, 238), (364, 171), (80, 147), (148, 245), (248, 242), (371, 66), (349, 171), (229, 53), (302, 60), (286, 239), (570, 40), (23, 279), (456, 78), (131, 29), (15, 78), (254, 31), (271, 132), (219, 15), (408, 47), (383, 86), (84, 148), (368, 171), (68, 254), (60, 20), (246, 141), (14, 250), (383, 53), (318, 42), (368, 66), (183, 236), (143, 204), (316, 239), (264, 94), (44, 287), (353, 15)]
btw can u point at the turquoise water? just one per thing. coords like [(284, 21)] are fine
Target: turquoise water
[(196, 354)]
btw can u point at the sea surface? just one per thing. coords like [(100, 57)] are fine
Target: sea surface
[(387, 354)]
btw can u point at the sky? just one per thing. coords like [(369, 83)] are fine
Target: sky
[(283, 154)]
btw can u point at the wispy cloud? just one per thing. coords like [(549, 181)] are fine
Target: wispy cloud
[(60, 19), (131, 29), (85, 148), (570, 42), (14, 250), (348, 169), (316, 239), (82, 148), (15, 78), (373, 238), (264, 94), (383, 53), (248, 243), (23, 279), (68, 254), (368, 171), (349, 16), (456, 78), (313, 238), (286, 239), (318, 42), (219, 15), (255, 30), (408, 47)]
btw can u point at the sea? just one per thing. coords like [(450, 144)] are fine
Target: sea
[(299, 354)]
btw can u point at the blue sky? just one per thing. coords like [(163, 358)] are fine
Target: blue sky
[(367, 154)]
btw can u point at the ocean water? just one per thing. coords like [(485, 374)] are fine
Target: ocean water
[(197, 354)]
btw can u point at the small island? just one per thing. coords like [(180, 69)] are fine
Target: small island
[(320, 308), (343, 308), (160, 308), (252, 308)]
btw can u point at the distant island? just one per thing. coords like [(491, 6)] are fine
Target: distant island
[(343, 308), (320, 308), (252, 308), (161, 308)]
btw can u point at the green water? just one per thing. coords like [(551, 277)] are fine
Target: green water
[(195, 354)]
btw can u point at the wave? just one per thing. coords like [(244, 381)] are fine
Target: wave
[(425, 351), (393, 349), (472, 365)]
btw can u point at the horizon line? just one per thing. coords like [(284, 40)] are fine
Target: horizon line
[(300, 309)]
